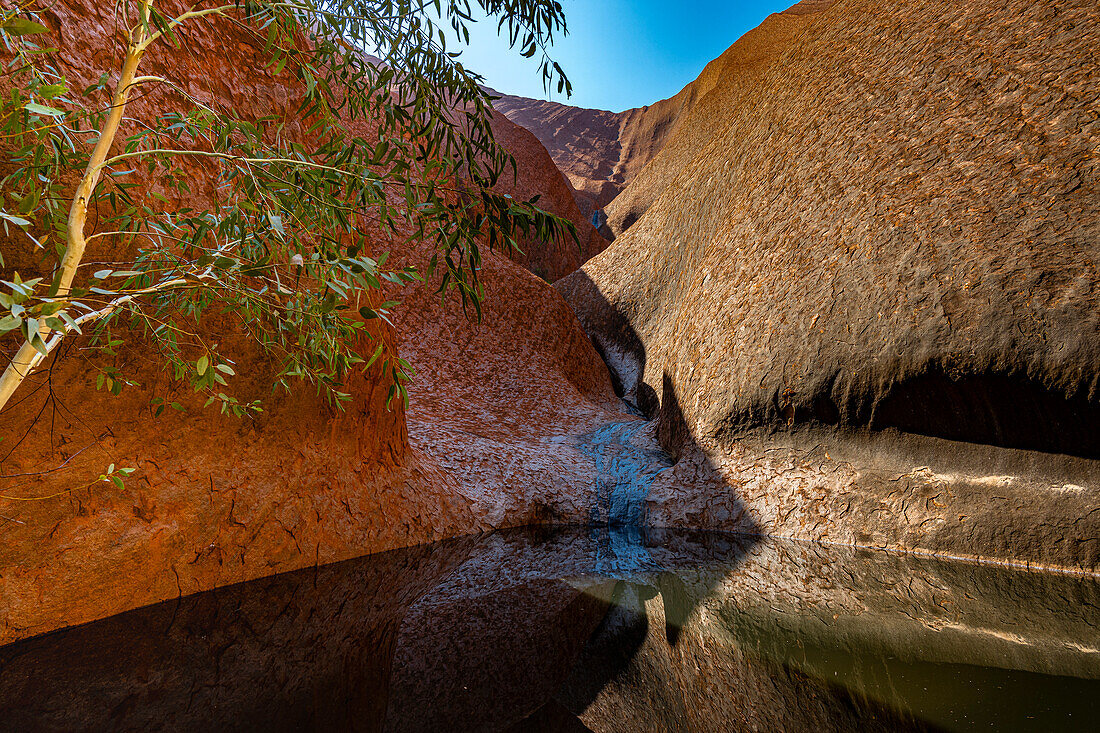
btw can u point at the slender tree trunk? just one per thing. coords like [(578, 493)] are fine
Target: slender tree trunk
[(28, 357)]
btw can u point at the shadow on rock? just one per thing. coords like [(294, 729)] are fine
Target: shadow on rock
[(653, 473)]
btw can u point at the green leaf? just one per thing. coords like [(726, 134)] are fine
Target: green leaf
[(40, 109), (377, 353), (23, 27), (53, 90), (16, 220), (9, 323), (202, 364)]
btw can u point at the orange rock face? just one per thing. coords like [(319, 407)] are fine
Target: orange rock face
[(217, 500), (862, 283), (539, 176)]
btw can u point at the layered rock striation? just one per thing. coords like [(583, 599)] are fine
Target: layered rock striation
[(601, 152)]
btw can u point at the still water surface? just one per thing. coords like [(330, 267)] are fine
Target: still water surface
[(574, 630)]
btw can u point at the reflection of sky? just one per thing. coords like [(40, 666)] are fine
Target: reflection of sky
[(622, 53)]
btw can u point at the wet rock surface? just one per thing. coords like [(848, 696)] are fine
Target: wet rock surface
[(576, 630), (864, 281)]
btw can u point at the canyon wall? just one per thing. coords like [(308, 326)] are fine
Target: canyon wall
[(537, 175), (602, 152), (862, 285), (723, 86), (216, 500)]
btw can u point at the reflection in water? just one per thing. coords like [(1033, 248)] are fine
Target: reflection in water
[(566, 630)]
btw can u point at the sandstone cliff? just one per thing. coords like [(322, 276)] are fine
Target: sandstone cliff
[(864, 277), (539, 176), (601, 152), (217, 500)]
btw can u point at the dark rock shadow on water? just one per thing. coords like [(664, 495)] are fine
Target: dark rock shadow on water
[(469, 634), (534, 630)]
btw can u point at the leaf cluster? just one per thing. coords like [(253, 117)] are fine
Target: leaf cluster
[(292, 242)]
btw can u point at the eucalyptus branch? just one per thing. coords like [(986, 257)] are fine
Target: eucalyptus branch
[(176, 22), (167, 152), (285, 206), (28, 356)]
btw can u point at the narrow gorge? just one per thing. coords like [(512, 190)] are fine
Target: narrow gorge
[(798, 422)]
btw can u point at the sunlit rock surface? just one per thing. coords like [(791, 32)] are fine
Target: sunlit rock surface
[(570, 630), (217, 500), (724, 85), (602, 152), (536, 175), (862, 288)]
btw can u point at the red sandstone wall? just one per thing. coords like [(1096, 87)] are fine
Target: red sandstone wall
[(217, 500)]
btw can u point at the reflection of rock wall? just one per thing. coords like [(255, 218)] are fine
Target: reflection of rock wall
[(893, 227), (685, 631), (697, 680), (468, 635), (913, 609), (487, 660), (793, 636), (309, 650)]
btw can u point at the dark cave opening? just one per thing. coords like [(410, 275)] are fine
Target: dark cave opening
[(998, 410)]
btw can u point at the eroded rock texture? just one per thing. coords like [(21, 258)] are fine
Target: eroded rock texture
[(217, 500), (602, 152), (866, 281), (723, 86), (537, 175)]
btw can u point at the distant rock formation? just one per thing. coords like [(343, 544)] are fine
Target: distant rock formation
[(583, 142), (601, 152), (537, 175), (863, 275)]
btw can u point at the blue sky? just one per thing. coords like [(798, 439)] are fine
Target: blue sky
[(623, 53)]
